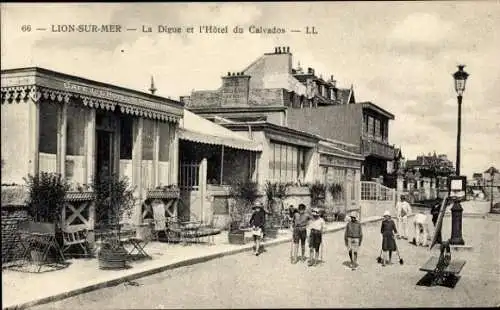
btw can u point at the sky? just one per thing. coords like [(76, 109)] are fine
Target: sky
[(398, 55)]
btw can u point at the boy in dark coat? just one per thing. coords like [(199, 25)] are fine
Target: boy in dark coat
[(257, 222), (352, 237), (387, 230), (300, 221)]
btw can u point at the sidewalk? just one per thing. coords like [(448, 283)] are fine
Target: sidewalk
[(21, 290)]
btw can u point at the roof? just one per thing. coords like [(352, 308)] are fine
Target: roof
[(344, 95), (376, 108), (198, 129), (257, 125), (34, 83), (107, 85)]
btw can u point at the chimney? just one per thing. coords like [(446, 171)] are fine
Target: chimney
[(288, 49), (228, 73), (279, 50), (152, 89), (276, 50)]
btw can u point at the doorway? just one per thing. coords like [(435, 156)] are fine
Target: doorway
[(104, 148)]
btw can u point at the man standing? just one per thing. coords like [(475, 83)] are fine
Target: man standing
[(403, 211), (352, 237)]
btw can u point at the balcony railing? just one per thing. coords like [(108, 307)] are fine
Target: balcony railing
[(371, 146)]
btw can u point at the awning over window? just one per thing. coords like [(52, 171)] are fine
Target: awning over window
[(198, 129)]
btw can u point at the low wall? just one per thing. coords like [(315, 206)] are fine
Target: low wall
[(14, 211), (11, 217), (217, 203), (376, 208)]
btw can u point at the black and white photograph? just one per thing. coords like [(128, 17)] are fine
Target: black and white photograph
[(225, 155)]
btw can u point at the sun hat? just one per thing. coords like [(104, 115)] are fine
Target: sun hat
[(258, 204), (387, 213), (315, 210), (353, 214)]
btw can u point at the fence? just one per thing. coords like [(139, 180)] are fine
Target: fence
[(376, 199), (376, 191), (189, 176)]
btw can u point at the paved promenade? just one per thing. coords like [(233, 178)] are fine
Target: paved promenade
[(83, 275), (270, 281)]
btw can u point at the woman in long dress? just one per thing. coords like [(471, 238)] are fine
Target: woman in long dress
[(388, 229)]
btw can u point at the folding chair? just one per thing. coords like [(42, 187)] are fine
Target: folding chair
[(75, 236), (159, 221)]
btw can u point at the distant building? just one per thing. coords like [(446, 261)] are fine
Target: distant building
[(260, 102), (427, 176)]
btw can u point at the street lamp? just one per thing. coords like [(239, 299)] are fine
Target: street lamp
[(460, 78), (491, 171)]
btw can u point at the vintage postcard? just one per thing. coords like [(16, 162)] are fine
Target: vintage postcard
[(337, 154)]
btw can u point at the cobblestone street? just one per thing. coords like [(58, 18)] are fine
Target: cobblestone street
[(270, 280)]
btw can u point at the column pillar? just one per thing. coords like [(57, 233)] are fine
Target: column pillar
[(174, 153), (203, 189), (34, 136), (61, 137), (90, 141), (357, 189), (137, 167), (156, 155), (399, 184)]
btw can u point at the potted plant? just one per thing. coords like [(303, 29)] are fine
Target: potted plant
[(318, 191), (114, 200), (243, 194), (341, 216), (46, 198), (275, 193), (335, 190)]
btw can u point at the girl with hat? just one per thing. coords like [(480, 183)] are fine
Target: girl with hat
[(388, 243), (316, 228)]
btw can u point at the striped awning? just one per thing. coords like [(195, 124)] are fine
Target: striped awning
[(198, 129)]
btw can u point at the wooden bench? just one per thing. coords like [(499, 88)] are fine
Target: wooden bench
[(448, 276), (455, 266)]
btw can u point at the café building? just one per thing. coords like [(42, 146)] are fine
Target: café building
[(56, 122)]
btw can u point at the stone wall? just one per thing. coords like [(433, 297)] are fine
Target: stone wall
[(11, 217)]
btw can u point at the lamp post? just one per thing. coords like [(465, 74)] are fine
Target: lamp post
[(491, 171), (460, 78)]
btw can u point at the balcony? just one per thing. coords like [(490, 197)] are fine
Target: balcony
[(378, 148)]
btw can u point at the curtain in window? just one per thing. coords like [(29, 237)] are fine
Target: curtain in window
[(48, 136), (75, 143)]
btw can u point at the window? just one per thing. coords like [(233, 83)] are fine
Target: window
[(148, 138), (126, 137), (49, 115), (370, 126), (286, 163), (377, 129), (75, 143), (48, 128)]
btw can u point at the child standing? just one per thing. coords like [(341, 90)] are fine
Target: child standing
[(352, 237), (388, 243), (316, 227), (300, 220), (257, 222)]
